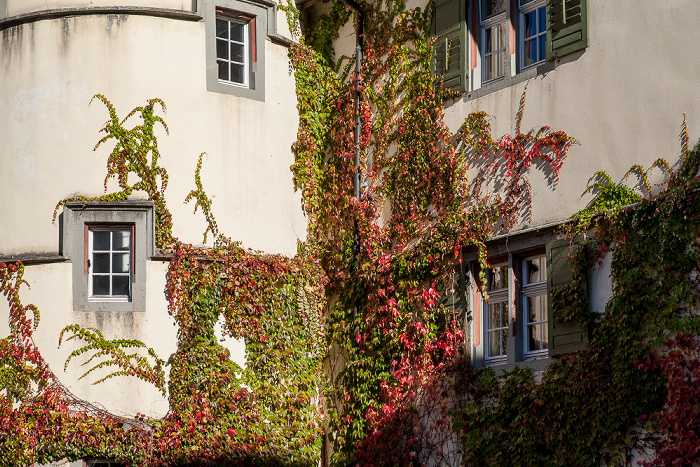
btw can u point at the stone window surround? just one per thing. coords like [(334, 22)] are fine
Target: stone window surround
[(77, 215)]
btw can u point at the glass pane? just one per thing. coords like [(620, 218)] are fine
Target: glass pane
[(545, 336), (223, 70), (222, 28), (222, 49), (501, 36), (504, 339), (120, 262), (499, 277), (494, 344), (494, 315), (237, 31), (100, 262), (530, 24), (493, 7), (541, 19), (120, 285), (544, 307), (120, 240), (488, 40), (100, 240), (237, 53), (237, 73), (504, 314), (533, 304), (541, 41), (100, 285), (534, 338)]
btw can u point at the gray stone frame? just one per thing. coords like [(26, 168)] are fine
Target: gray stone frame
[(264, 13), (79, 214)]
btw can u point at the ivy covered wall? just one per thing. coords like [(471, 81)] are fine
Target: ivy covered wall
[(361, 359)]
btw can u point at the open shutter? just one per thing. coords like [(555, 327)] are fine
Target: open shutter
[(567, 27), (450, 47), (563, 337)]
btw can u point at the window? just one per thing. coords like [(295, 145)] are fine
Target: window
[(519, 322), (493, 39), (533, 33), (109, 263), (108, 243), (232, 50), (235, 45), (477, 41), (497, 322), (534, 304)]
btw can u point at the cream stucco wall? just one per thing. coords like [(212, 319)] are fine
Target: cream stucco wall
[(49, 70), (19, 7)]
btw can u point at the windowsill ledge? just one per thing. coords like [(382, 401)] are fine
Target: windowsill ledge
[(506, 82)]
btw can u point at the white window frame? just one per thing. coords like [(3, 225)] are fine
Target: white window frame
[(111, 252), (500, 297), (246, 23), (497, 21), (534, 290), (525, 8)]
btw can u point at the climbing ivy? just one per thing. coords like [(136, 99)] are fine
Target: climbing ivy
[(366, 353)]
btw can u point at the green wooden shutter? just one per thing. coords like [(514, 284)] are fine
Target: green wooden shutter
[(563, 337), (567, 27), (450, 47)]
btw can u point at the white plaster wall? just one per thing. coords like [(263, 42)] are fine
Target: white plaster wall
[(18, 7), (50, 69), (623, 98), (50, 289)]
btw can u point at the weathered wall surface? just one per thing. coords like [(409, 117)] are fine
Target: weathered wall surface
[(19, 7), (49, 70)]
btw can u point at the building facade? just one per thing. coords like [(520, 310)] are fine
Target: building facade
[(604, 73), (222, 70)]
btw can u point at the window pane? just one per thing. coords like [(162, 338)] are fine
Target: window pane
[(100, 262), (530, 24), (237, 51), (223, 70), (504, 314), (222, 49), (493, 7), (120, 285), (534, 337), (494, 344), (533, 312), (501, 36), (541, 41), (504, 343), (100, 285), (120, 240), (222, 28), (237, 31), (545, 337), (541, 19), (494, 315), (237, 73), (543, 307), (488, 40), (120, 262), (498, 277), (100, 240)]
